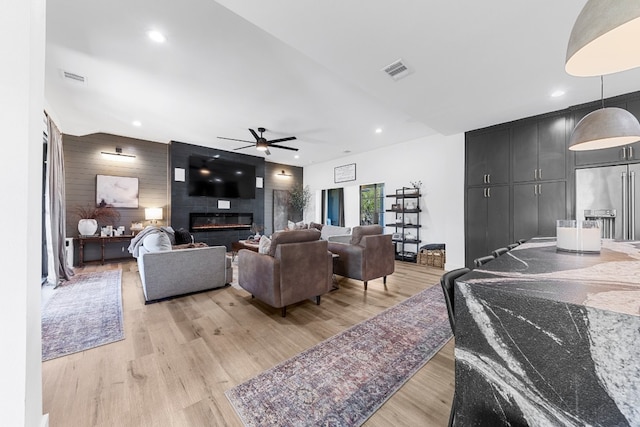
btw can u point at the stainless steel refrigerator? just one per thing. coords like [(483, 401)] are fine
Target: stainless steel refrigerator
[(609, 194)]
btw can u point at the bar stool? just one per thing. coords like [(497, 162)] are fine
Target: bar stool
[(483, 260), (499, 251)]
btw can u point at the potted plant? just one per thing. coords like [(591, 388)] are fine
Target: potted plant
[(89, 216), (299, 197)]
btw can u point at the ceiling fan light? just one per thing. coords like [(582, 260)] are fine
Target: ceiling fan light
[(261, 146), (605, 128), (604, 38)]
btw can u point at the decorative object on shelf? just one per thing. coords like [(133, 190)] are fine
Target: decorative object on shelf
[(605, 128), (396, 236), (344, 173), (395, 207), (117, 191), (87, 226), (88, 218), (410, 205), (153, 214), (603, 38), (416, 184)]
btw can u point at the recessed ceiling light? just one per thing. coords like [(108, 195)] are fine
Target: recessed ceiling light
[(296, 156), (156, 36), (136, 123), (346, 151), (557, 93), (379, 130)]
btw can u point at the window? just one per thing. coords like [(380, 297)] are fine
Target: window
[(372, 204)]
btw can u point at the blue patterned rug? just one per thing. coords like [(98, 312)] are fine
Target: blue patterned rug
[(345, 379), (82, 313)]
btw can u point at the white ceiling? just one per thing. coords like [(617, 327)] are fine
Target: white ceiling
[(311, 69)]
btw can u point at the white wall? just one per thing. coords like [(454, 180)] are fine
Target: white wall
[(22, 36), (437, 161)]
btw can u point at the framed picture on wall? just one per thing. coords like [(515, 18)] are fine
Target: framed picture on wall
[(116, 191), (344, 173)]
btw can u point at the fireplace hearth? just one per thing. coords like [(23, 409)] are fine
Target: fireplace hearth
[(219, 221)]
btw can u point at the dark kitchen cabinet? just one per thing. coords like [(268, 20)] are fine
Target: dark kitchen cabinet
[(488, 221), (539, 150), (487, 158), (537, 207)]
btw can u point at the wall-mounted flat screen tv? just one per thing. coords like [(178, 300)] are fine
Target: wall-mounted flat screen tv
[(213, 177)]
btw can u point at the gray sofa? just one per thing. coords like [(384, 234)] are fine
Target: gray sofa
[(172, 273)]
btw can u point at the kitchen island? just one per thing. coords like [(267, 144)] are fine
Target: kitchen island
[(548, 338)]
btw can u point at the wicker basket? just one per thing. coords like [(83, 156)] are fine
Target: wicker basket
[(432, 258)]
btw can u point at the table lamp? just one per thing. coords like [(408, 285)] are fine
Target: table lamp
[(153, 214)]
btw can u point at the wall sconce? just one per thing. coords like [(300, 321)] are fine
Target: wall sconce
[(118, 155), (153, 214), (283, 173)]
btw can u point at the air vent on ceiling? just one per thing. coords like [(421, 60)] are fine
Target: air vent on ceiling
[(73, 77), (397, 70)]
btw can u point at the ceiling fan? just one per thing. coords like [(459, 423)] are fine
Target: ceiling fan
[(261, 143)]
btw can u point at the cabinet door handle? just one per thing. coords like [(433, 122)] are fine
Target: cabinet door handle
[(535, 174), (630, 153), (540, 173), (489, 181), (535, 190), (624, 153), (539, 189), (489, 192), (484, 192)]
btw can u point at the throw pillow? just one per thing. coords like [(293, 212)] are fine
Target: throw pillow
[(265, 245), (182, 236), (301, 225), (291, 225), (157, 242)]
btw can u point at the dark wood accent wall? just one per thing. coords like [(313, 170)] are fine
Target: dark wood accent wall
[(83, 161), (278, 182), (182, 204)]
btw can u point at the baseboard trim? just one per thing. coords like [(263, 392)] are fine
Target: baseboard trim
[(45, 421)]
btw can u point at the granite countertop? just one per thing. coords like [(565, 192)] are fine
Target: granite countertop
[(545, 337), (609, 280)]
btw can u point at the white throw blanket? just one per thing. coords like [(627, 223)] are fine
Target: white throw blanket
[(136, 242)]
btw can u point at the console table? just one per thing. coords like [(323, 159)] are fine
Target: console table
[(102, 240)]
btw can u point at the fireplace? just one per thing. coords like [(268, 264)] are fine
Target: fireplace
[(216, 221)]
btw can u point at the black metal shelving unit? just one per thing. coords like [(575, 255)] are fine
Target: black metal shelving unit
[(406, 214)]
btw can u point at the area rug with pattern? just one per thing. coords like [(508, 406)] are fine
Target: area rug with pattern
[(83, 313), (342, 381)]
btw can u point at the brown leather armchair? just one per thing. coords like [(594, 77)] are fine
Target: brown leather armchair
[(369, 254), (297, 267)]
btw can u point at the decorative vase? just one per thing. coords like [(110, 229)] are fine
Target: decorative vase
[(87, 227)]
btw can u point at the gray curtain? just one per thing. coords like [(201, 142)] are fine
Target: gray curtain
[(341, 207), (57, 208)]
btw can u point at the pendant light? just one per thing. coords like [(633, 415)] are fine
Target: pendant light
[(604, 38), (605, 128)]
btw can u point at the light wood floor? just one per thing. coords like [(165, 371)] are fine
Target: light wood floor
[(180, 356)]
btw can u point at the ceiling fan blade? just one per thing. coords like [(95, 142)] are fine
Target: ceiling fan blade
[(283, 147), (255, 135), (290, 138), (246, 146), (267, 152), (233, 139)]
